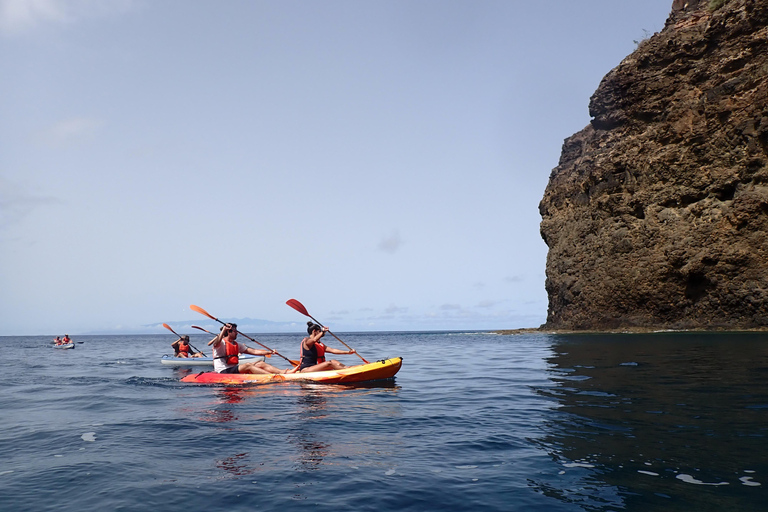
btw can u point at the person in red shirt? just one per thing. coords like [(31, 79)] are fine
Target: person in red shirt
[(182, 348)]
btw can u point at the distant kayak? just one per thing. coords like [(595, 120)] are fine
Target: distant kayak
[(378, 370), (203, 361), (65, 346)]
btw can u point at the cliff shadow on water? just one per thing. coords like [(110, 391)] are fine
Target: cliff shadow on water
[(669, 421), (657, 213)]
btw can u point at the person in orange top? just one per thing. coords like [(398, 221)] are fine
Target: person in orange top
[(313, 351), (182, 348)]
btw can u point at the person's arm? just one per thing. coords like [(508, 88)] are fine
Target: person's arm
[(222, 333), (337, 351), (315, 336), (257, 352)]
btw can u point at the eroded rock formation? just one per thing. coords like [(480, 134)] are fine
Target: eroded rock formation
[(657, 214)]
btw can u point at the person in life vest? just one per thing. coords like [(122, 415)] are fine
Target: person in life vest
[(57, 340), (182, 348), (313, 351), (66, 339), (226, 350)]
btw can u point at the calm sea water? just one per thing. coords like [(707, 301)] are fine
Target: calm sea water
[(472, 422)]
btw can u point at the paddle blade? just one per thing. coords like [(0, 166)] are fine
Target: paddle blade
[(169, 328), (202, 312), (298, 306), (205, 330)]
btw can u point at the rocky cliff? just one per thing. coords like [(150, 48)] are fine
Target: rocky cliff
[(657, 213)]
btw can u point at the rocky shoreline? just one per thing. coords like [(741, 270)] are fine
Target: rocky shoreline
[(629, 330), (656, 216)]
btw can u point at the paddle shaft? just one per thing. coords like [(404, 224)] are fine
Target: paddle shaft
[(204, 312), (295, 363), (339, 339)]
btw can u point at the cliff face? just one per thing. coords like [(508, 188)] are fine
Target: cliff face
[(657, 214)]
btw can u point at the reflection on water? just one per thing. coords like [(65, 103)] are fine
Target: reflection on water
[(675, 421), (236, 465), (221, 411), (314, 405), (308, 436)]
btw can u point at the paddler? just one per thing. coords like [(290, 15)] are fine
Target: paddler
[(226, 350), (183, 349), (313, 351), (65, 340), (57, 340)]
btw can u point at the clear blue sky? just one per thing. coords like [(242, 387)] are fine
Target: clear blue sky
[(380, 161)]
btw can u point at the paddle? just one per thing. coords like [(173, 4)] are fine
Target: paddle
[(298, 306), (209, 332), (174, 332), (204, 312)]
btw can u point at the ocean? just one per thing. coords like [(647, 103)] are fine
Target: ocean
[(473, 421)]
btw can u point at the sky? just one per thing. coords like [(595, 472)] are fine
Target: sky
[(380, 161)]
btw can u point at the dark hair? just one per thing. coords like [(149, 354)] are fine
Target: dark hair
[(312, 327)]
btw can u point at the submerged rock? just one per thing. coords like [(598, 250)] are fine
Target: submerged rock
[(657, 213)]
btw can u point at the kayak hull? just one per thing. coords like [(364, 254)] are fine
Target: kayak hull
[(203, 361), (379, 370), (65, 346)]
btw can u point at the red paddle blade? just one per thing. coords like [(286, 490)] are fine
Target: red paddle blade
[(298, 306), (169, 328), (196, 327), (201, 311)]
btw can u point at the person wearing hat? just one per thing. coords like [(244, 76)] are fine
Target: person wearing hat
[(182, 349)]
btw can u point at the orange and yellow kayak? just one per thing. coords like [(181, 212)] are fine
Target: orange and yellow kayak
[(385, 369)]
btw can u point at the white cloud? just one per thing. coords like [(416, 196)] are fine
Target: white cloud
[(69, 132), (18, 16)]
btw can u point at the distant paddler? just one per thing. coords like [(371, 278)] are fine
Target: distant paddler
[(182, 348)]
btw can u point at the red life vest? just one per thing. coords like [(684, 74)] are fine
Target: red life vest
[(320, 352), (233, 352), (183, 348)]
